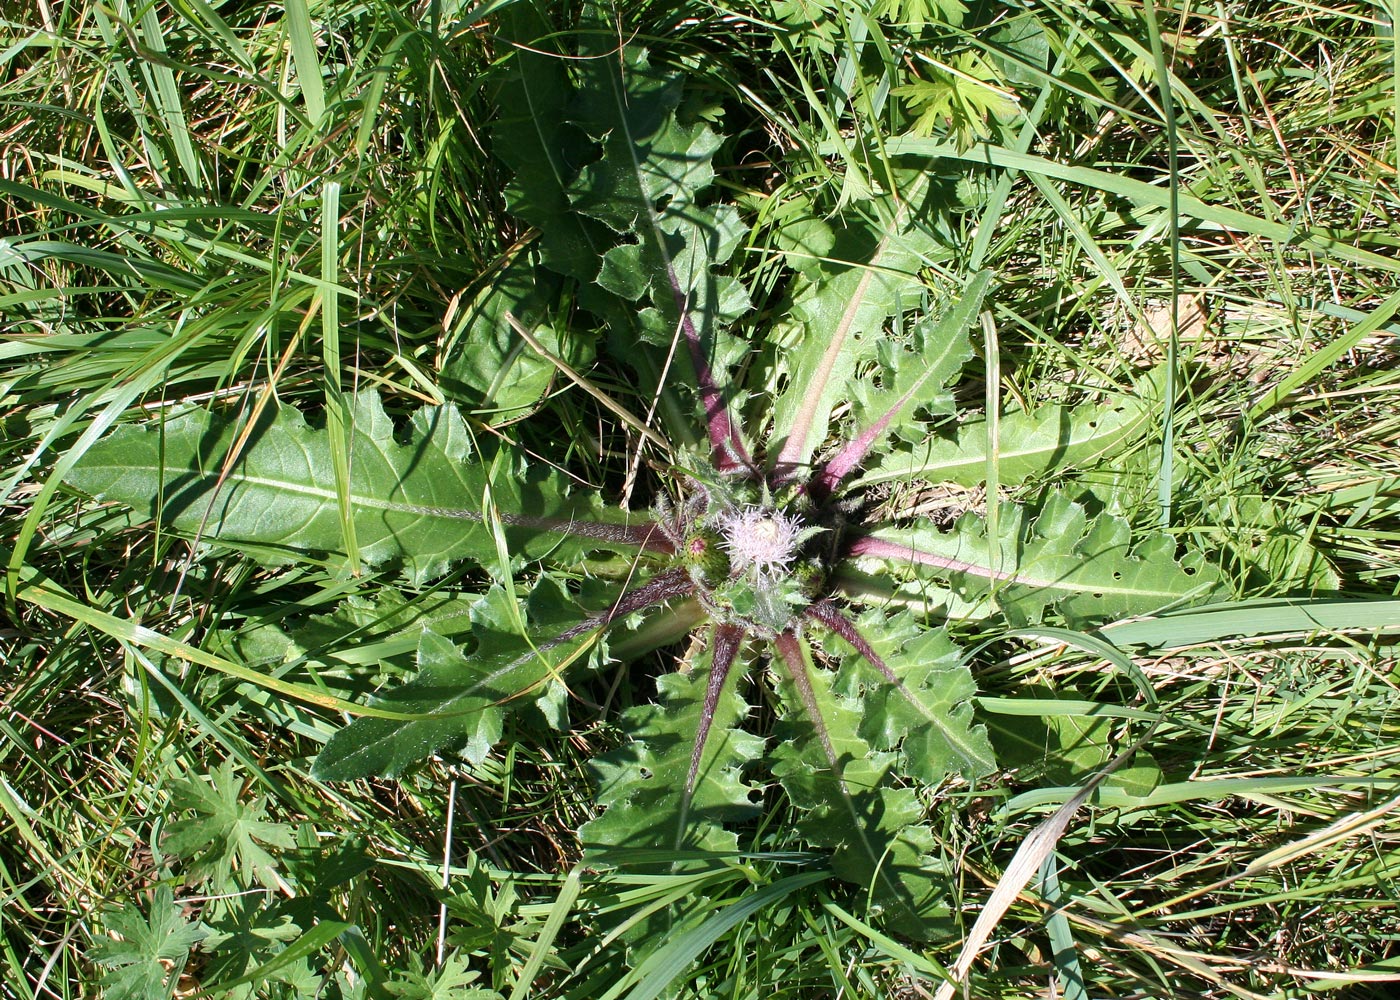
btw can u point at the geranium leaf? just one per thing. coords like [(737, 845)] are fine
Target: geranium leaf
[(641, 783), (145, 958), (1089, 570), (226, 834), (421, 503)]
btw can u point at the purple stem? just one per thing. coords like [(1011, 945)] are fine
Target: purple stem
[(791, 653), (868, 545), (848, 459), (827, 613), (660, 588), (730, 454), (648, 536), (727, 639)]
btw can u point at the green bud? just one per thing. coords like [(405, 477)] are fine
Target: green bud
[(704, 554)]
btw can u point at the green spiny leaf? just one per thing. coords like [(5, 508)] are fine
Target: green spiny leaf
[(641, 783), (839, 311), (1032, 444), (850, 805), (921, 365), (928, 717), (648, 187), (1089, 570), (915, 372), (421, 502), (458, 698), (533, 137)]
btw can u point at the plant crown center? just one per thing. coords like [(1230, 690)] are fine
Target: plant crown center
[(756, 561)]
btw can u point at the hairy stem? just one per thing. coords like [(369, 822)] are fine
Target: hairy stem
[(868, 545), (726, 642), (659, 589), (648, 536), (827, 613), (790, 652), (730, 454)]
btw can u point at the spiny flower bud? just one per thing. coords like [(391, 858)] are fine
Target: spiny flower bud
[(760, 538), (704, 552)]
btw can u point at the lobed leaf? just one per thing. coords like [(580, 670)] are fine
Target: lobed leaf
[(839, 310), (144, 959), (849, 804), (1031, 444), (648, 187), (225, 834), (1087, 569), (534, 138), (641, 783), (926, 712), (914, 375), (457, 698), (422, 503)]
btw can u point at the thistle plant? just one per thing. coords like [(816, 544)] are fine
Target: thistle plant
[(775, 546)]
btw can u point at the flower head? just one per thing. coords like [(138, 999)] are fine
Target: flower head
[(760, 538)]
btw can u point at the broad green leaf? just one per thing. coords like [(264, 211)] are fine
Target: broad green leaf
[(421, 502), (459, 699), (533, 137), (914, 375), (928, 716), (915, 372), (839, 311), (1088, 570), (849, 800), (649, 187), (1031, 444), (148, 953), (1064, 743), (640, 784), (487, 365)]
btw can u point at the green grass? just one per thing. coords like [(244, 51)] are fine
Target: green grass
[(235, 204)]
